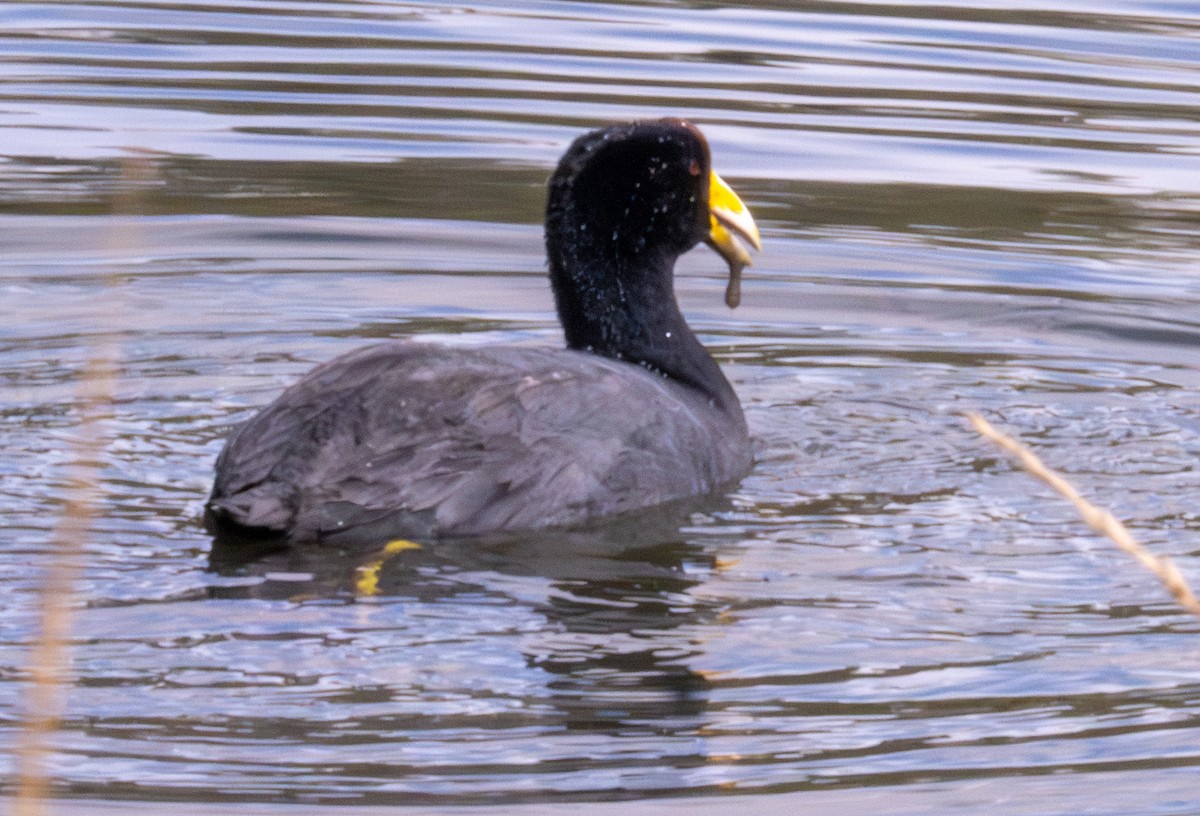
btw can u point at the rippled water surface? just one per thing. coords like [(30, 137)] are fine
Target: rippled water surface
[(964, 208)]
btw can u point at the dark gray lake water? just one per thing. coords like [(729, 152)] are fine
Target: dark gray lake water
[(964, 207)]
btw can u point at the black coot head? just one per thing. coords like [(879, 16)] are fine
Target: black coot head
[(624, 203), (631, 189)]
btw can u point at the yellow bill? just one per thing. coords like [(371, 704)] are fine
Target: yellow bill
[(729, 220)]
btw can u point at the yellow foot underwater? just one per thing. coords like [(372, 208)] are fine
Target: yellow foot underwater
[(367, 582)]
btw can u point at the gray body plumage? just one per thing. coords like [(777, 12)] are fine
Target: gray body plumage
[(428, 441)]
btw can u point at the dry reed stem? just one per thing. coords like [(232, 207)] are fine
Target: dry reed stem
[(1099, 519), (49, 659)]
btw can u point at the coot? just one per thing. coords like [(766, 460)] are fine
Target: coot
[(415, 440)]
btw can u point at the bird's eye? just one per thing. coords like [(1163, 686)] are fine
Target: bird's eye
[(694, 168)]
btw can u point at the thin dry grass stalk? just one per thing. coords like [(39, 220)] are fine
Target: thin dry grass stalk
[(49, 660), (1099, 519), (50, 656)]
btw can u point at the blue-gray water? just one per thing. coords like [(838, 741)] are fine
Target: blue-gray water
[(963, 208)]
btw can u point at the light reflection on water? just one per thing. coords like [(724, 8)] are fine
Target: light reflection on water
[(963, 209)]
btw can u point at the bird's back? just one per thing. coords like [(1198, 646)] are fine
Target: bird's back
[(429, 441)]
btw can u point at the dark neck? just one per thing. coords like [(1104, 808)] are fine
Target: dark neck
[(632, 315)]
